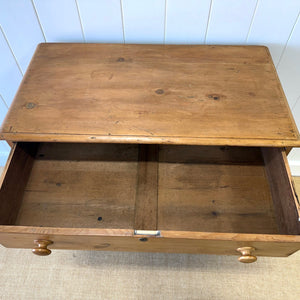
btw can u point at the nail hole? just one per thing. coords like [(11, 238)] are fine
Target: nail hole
[(30, 105), (99, 219), (143, 239), (159, 91), (121, 59), (215, 96), (58, 184)]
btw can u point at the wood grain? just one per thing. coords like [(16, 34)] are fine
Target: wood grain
[(151, 94), (147, 187), (87, 138), (202, 199), (72, 185), (185, 154), (14, 179), (192, 188), (286, 202), (214, 190), (170, 241)]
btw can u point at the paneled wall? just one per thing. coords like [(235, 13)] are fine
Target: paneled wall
[(274, 23)]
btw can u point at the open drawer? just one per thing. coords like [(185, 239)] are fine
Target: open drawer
[(160, 198)]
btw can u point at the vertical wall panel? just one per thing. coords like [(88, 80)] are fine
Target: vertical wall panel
[(289, 68), (294, 161), (10, 75), (294, 156), (3, 110), (144, 21), (4, 152), (4, 148), (101, 20), (272, 24), (230, 21), (60, 20), (186, 21), (21, 27), (296, 111)]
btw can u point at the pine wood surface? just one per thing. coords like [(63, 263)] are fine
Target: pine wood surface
[(169, 241), (169, 188), (214, 95), (286, 201), (14, 179), (215, 189), (83, 186), (146, 206), (71, 185)]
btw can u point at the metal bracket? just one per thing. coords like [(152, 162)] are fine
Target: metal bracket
[(147, 232)]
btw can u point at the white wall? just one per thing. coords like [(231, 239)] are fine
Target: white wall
[(25, 23)]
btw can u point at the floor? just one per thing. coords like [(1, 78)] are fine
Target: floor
[(120, 275)]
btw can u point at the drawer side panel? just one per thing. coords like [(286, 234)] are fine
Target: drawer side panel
[(284, 197), (14, 179)]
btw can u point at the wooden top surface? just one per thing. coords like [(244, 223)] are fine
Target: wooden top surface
[(206, 95)]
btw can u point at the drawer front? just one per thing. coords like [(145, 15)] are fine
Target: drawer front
[(168, 241)]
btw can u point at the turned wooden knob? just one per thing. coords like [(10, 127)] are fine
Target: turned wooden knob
[(246, 256), (41, 248)]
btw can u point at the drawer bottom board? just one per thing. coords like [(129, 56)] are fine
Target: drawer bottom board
[(212, 189)]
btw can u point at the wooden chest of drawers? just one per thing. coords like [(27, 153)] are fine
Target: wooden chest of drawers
[(150, 148)]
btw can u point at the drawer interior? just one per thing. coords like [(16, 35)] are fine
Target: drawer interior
[(149, 187)]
